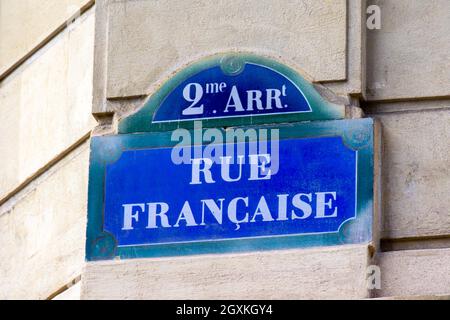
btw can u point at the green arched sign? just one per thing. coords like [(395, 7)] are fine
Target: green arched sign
[(232, 89)]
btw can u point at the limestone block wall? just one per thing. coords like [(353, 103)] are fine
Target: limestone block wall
[(27, 25), (139, 44), (328, 273), (75, 60), (408, 82), (46, 71)]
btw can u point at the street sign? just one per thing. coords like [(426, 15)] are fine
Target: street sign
[(310, 184), (232, 89), (233, 153), (249, 89), (150, 200)]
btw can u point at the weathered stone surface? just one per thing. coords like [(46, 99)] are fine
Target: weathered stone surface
[(43, 232), (356, 52), (415, 273), (147, 40), (46, 104), (338, 272), (430, 297), (73, 293), (409, 56), (25, 24), (416, 174)]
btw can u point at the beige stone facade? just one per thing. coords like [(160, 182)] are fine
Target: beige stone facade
[(78, 66)]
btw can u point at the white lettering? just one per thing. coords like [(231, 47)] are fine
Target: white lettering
[(129, 215), (214, 208), (206, 170), (153, 213), (225, 168), (237, 104), (186, 215), (262, 210), (321, 204), (232, 212), (256, 170), (305, 207), (273, 95), (254, 96)]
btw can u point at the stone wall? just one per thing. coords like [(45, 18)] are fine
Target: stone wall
[(75, 59), (46, 70)]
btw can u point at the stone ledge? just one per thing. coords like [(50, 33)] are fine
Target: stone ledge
[(319, 273), (414, 273)]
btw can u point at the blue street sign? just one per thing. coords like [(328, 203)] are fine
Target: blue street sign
[(310, 185), (293, 174), (231, 89), (151, 200), (251, 89)]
